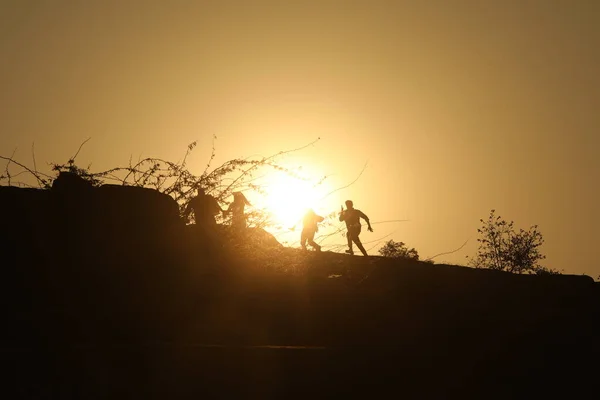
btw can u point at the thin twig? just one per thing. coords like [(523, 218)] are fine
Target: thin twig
[(8, 164), (37, 175), (79, 149), (267, 161), (348, 185), (212, 155), (34, 162), (448, 252)]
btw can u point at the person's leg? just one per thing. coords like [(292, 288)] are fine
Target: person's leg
[(311, 241), (303, 240), (359, 244), (349, 234)]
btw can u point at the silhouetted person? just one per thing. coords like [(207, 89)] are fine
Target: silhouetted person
[(352, 218), (309, 228), (238, 219), (205, 209)]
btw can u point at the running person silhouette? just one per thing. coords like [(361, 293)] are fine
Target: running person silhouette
[(352, 218), (309, 228)]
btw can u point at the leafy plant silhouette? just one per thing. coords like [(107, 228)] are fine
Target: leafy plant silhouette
[(502, 248), (398, 250)]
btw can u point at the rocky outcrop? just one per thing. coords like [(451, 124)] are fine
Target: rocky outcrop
[(81, 258), (74, 215)]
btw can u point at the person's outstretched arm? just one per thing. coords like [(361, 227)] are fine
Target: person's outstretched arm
[(364, 216), (342, 214)]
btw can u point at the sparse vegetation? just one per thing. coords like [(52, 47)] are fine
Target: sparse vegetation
[(171, 178), (398, 250), (502, 248)]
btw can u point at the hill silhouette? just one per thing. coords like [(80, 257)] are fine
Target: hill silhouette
[(106, 293)]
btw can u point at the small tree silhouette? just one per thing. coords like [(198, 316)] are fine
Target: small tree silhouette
[(502, 248), (398, 250)]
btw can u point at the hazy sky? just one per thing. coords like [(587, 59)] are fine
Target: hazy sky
[(458, 106)]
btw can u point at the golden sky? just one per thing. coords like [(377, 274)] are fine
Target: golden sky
[(458, 106)]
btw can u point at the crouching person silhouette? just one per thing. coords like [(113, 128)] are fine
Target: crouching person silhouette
[(309, 228), (352, 218)]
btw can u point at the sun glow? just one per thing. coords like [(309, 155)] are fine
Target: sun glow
[(287, 198)]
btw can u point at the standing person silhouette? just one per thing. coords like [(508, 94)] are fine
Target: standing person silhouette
[(352, 218), (309, 228), (205, 208), (238, 220)]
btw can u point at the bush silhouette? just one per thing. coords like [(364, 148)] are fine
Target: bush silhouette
[(398, 250), (172, 178), (502, 248)]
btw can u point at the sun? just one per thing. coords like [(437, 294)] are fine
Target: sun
[(288, 198)]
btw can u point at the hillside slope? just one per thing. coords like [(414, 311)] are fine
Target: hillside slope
[(99, 301)]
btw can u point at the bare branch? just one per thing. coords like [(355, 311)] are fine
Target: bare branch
[(267, 161), (448, 252), (37, 175), (212, 155), (348, 185), (34, 162), (378, 241), (6, 170), (79, 149)]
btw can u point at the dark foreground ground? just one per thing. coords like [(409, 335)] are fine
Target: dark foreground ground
[(105, 294), (378, 328), (179, 371)]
